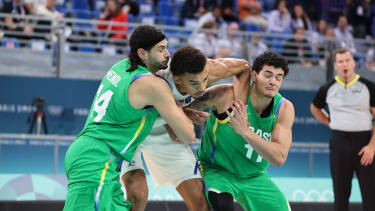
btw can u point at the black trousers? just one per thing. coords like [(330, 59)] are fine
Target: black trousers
[(344, 161)]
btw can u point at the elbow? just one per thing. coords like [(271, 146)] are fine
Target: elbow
[(246, 66), (279, 162), (312, 107)]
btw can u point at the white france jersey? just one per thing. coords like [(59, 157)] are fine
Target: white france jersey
[(181, 100)]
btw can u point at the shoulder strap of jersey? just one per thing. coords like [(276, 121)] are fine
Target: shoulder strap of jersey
[(279, 106)]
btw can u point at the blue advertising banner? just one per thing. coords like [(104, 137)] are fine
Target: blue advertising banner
[(67, 103), (305, 128)]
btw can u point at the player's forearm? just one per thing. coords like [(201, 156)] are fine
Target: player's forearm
[(270, 151), (319, 115), (212, 97), (184, 130), (199, 105)]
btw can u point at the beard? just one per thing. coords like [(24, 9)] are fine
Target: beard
[(160, 65)]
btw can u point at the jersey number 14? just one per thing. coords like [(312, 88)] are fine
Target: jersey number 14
[(101, 103)]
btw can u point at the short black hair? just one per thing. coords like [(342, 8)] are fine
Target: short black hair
[(187, 59), (271, 59), (145, 37), (341, 51)]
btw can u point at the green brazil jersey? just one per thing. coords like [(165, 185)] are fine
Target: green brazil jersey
[(223, 149), (112, 119)]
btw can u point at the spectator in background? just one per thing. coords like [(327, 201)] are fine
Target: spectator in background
[(359, 15), (114, 14), (227, 11), (370, 59), (206, 41), (249, 11), (16, 24), (312, 8), (256, 48), (32, 5), (231, 46), (343, 35), (47, 10), (279, 20), (196, 8), (317, 37), (297, 49), (330, 44), (300, 19), (210, 16), (351, 103), (330, 41), (130, 7)]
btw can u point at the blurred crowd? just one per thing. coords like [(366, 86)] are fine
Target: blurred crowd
[(216, 25)]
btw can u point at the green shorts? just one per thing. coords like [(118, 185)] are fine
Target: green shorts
[(93, 182), (256, 193)]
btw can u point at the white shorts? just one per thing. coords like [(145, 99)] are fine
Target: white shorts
[(168, 162)]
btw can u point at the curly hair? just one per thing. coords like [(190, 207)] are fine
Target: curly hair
[(187, 59), (271, 59), (145, 37)]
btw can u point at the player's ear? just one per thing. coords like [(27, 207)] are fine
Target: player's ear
[(177, 79), (253, 75), (141, 53)]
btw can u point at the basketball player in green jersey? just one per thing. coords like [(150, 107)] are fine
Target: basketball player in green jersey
[(250, 128), (123, 112)]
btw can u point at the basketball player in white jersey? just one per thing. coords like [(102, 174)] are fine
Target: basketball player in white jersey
[(169, 162)]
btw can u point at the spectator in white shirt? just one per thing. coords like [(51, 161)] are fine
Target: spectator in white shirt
[(231, 46), (343, 34), (257, 47), (300, 19), (206, 40), (279, 20)]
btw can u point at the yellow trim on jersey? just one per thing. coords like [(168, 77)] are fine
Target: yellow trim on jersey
[(214, 130), (200, 169), (348, 84), (224, 120), (105, 170), (135, 135)]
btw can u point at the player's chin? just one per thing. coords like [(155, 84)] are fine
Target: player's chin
[(269, 95)]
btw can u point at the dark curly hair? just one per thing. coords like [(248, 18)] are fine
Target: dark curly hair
[(271, 59), (187, 60), (145, 37)]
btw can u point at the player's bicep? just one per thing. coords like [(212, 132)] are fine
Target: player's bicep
[(226, 67), (282, 131), (217, 70)]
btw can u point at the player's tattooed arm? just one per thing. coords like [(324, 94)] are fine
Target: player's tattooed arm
[(200, 103), (212, 97)]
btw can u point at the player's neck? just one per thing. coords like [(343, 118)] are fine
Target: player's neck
[(259, 101), (152, 69)]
